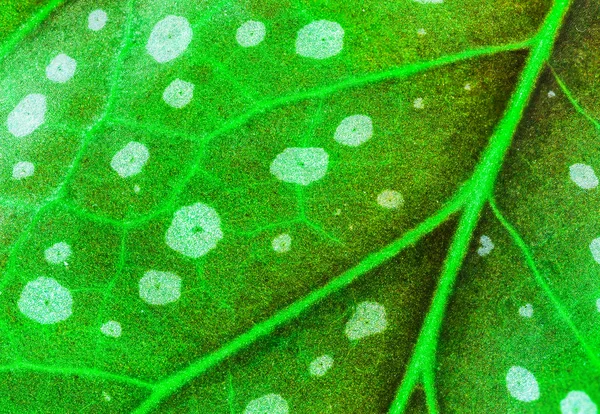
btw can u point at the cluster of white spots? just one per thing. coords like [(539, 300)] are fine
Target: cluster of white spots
[(22, 169), (111, 328), (58, 253), (584, 176), (421, 32), (61, 68), (97, 20), (354, 130), (578, 402), (467, 87), (320, 39), (526, 310), (595, 249), (130, 160), (160, 288), (179, 93), (282, 243), (390, 199), (251, 33), (195, 230), (486, 246), (369, 318), (300, 165), (169, 38), (418, 103), (551, 94), (319, 366), (268, 404), (45, 301), (27, 116), (522, 385), (106, 396)]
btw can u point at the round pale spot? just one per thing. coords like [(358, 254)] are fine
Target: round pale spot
[(160, 288), (584, 176), (369, 318), (97, 20), (251, 33), (320, 39), (598, 304), (136, 189), (130, 160), (551, 94), (27, 116), (169, 38), (22, 169), (485, 246), (300, 165), (61, 69), (390, 199), (45, 301), (354, 130), (195, 230), (111, 328), (58, 253), (526, 310), (268, 404), (106, 396), (319, 366), (418, 103), (282, 243), (522, 384), (595, 249), (179, 93), (467, 87), (421, 32), (578, 402)]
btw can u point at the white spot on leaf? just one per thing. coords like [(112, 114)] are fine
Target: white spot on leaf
[(320, 39), (429, 1), (46, 301), (111, 328), (418, 103), (421, 32), (526, 310), (522, 384), (195, 230), (300, 165), (369, 318), (354, 130), (486, 246), (595, 249), (584, 176), (160, 288), (282, 243), (179, 93), (319, 366), (390, 199), (27, 116), (22, 169), (551, 94), (61, 69), (268, 404), (57, 253), (169, 38), (251, 33), (97, 20), (130, 160), (578, 402)]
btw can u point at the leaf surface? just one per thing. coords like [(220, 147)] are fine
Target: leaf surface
[(249, 207)]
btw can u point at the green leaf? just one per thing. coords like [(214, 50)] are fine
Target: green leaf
[(299, 207)]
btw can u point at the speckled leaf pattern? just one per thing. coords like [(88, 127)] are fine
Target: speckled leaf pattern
[(264, 207)]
